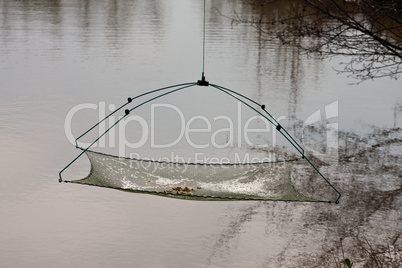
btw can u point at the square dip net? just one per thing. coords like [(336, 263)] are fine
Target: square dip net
[(192, 180), (234, 181)]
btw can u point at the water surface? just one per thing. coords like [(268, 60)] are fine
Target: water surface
[(56, 55)]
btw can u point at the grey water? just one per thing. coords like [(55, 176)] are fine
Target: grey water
[(57, 56)]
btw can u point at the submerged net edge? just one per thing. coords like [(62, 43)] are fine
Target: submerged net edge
[(89, 180), (197, 197)]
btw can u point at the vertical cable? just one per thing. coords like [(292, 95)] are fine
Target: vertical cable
[(203, 47)]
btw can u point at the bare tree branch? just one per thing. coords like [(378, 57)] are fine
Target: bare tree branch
[(368, 33)]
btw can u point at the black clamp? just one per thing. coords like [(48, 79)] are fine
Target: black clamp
[(203, 82)]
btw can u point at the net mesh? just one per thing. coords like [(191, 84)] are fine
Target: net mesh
[(252, 181)]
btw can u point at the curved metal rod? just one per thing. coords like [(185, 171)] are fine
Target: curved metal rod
[(129, 100), (285, 134), (276, 124), (240, 97), (297, 147), (127, 113)]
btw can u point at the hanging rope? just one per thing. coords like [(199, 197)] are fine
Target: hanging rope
[(203, 49)]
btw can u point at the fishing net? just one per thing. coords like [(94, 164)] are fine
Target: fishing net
[(252, 181), (262, 181), (193, 180)]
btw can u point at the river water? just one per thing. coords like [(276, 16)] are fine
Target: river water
[(58, 55)]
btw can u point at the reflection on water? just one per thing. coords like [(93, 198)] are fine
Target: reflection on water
[(369, 176), (55, 55)]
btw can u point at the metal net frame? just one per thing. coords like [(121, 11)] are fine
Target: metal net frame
[(172, 189)]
